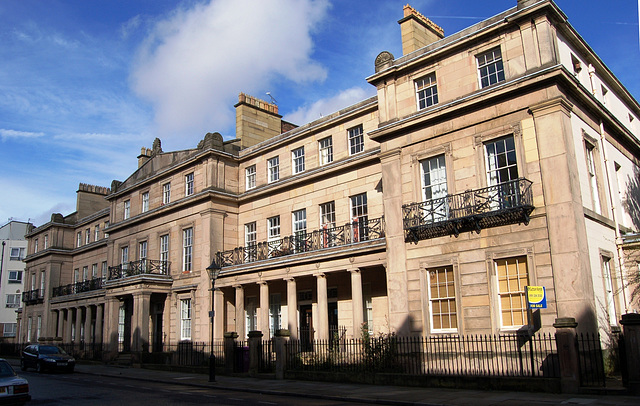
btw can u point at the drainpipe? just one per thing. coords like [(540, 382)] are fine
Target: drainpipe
[(614, 214), (2, 262)]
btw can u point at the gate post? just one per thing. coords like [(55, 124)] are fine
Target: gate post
[(568, 354), (631, 332), (255, 352), (229, 351), (282, 338)]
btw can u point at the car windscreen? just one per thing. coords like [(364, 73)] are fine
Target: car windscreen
[(50, 350), (6, 370)]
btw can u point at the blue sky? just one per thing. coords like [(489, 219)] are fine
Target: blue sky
[(84, 84)]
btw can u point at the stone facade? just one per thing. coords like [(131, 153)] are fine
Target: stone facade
[(496, 158)]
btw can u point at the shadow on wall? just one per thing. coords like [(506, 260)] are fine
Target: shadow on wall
[(631, 200)]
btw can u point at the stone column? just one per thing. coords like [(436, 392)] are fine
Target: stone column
[(60, 327), (357, 302), (255, 352), (88, 318), (323, 308), (218, 321), (631, 330), (112, 309), (568, 354), (78, 336), (140, 322), (282, 338), (99, 327), (263, 316), (69, 323), (240, 312), (292, 308), (52, 328), (229, 350)]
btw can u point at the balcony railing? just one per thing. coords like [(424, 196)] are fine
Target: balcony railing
[(506, 203), (142, 267), (32, 297), (327, 237), (78, 287)]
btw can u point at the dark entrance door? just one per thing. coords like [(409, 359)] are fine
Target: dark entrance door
[(334, 334), (158, 341), (306, 327)]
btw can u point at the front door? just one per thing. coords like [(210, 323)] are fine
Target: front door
[(158, 341), (306, 327)]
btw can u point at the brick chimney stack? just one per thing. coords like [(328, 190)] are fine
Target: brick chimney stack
[(145, 154), (417, 30)]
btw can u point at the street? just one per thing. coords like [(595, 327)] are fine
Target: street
[(84, 389)]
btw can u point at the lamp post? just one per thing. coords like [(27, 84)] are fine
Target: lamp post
[(214, 271)]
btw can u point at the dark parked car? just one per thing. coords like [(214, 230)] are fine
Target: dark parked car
[(46, 358), (14, 390)]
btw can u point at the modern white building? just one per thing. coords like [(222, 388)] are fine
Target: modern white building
[(14, 249)]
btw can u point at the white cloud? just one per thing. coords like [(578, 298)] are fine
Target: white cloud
[(4, 134), (193, 64), (323, 107)]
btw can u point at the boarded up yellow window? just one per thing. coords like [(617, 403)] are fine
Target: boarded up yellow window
[(512, 277), (442, 299)]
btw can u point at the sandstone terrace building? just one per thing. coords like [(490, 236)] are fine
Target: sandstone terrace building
[(501, 156)]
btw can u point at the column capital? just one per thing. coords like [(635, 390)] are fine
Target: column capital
[(319, 275), (355, 270)]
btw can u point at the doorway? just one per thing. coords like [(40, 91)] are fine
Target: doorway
[(306, 327)]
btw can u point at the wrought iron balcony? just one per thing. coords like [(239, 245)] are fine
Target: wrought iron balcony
[(32, 297), (78, 287), (506, 203), (328, 237), (142, 267)]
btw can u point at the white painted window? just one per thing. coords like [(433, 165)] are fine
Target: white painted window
[(297, 156), (13, 300), (433, 175), (325, 148), (490, 68), (94, 271), (127, 209), (87, 236), (164, 252), (609, 291), (10, 329), (16, 254), (356, 140), (512, 276), (273, 234), (250, 173), (593, 178), (78, 240), (442, 299), (85, 273), (359, 217), (502, 167), (426, 91), (145, 202), (124, 258), (187, 249), (185, 319), (166, 193), (299, 229), (250, 241), (15, 276), (42, 280), (46, 242), (96, 232), (35, 245), (273, 166), (188, 184)]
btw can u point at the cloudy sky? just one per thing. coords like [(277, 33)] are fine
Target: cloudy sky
[(84, 84)]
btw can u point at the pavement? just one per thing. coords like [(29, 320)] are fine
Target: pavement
[(371, 394)]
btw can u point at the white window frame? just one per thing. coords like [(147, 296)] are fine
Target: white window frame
[(426, 91), (78, 241), (273, 233), (145, 202), (609, 291), (9, 329), (434, 189), (96, 232), (164, 252), (16, 257), (12, 300), (94, 271), (297, 160), (356, 140), (187, 249), (166, 193), (127, 209), (516, 291), (590, 151), (87, 236), (250, 177), (103, 271), (35, 245), (490, 67), (185, 319), (447, 298), (124, 257), (188, 184), (42, 280), (45, 243), (328, 223), (359, 217), (325, 150), (273, 167), (299, 229), (15, 277)]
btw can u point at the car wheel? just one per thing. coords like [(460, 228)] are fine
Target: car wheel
[(39, 368), (23, 366)]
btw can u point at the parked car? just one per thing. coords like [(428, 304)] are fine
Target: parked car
[(44, 357), (14, 390)]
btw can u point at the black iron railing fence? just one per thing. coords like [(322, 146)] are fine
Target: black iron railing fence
[(79, 287), (141, 267), (590, 359), (490, 355), (505, 203), (327, 237)]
